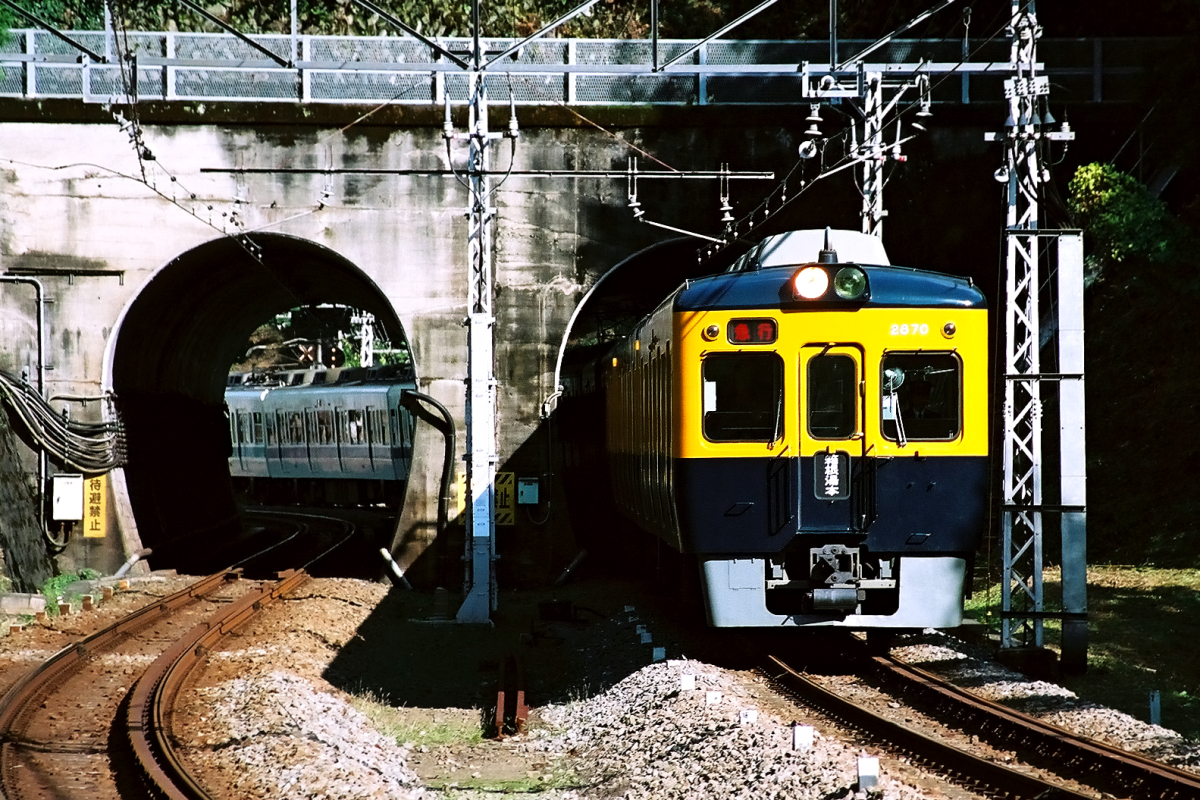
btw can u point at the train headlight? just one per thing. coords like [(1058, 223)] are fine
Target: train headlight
[(811, 283), (711, 332), (850, 283)]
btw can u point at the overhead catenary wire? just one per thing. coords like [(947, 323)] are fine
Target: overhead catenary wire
[(764, 208)]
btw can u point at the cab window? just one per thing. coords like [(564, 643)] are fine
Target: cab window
[(920, 396), (743, 397), (832, 397)]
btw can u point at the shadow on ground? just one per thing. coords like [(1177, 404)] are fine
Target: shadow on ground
[(573, 642)]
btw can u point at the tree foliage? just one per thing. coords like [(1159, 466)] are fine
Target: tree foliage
[(1124, 221), (683, 19)]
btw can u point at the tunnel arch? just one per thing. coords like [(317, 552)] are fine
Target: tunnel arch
[(632, 287), (167, 364)]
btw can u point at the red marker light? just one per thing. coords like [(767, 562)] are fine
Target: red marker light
[(740, 332)]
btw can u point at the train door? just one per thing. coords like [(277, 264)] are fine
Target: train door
[(831, 439), (293, 452), (311, 437), (372, 436), (341, 431), (245, 441), (276, 439)]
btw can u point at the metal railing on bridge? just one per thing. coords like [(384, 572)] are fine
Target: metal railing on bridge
[(180, 66)]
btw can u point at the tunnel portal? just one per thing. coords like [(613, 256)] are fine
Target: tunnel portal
[(172, 352)]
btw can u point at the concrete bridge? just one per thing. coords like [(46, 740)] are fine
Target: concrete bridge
[(157, 268)]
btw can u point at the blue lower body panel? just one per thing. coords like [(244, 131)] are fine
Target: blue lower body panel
[(758, 506)]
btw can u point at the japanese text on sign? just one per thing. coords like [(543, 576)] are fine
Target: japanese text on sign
[(95, 520)]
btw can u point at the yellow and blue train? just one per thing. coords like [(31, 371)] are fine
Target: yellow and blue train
[(811, 427)]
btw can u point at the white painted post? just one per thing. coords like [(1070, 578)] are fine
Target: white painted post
[(802, 737), (868, 772)]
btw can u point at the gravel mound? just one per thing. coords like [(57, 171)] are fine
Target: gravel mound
[(684, 729), (277, 736)]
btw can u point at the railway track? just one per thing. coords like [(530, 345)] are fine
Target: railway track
[(1093, 764), (72, 728)]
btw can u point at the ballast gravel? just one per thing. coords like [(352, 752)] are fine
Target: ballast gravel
[(964, 665), (276, 735), (267, 724), (684, 729)]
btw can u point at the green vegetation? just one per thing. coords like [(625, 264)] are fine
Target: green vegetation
[(527, 785), (294, 339), (508, 18), (414, 727), (1144, 634), (1142, 454), (1124, 221), (54, 588)]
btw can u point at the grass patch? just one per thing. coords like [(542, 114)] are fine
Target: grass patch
[(56, 587), (542, 783), (417, 726), (1143, 635)]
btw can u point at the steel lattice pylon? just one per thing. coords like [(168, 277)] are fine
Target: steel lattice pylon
[(1021, 584), (1023, 601)]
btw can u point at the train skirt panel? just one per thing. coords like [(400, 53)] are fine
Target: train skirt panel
[(928, 594)]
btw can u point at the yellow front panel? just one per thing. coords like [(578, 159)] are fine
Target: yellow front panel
[(874, 332)]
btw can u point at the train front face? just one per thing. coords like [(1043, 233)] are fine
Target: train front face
[(831, 435)]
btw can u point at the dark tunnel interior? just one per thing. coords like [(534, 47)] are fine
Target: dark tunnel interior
[(171, 358)]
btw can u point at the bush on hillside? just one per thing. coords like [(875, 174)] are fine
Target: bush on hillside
[(1123, 220)]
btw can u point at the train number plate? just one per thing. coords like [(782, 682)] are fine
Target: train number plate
[(831, 475)]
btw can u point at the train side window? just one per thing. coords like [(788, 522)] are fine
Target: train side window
[(295, 429), (921, 396), (379, 427), (354, 426), (743, 397), (243, 427), (258, 427), (324, 427), (832, 397)]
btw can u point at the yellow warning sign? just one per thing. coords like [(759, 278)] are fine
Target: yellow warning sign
[(461, 500), (95, 507), (506, 498)]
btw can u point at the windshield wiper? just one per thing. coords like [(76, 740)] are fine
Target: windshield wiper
[(901, 439)]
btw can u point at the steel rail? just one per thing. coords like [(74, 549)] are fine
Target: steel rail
[(512, 712), (1134, 772), (953, 760), (17, 703), (153, 698)]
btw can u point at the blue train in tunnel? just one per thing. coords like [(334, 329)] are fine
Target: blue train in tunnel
[(324, 437)]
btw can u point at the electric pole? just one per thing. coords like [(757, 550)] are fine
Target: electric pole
[(1024, 172)]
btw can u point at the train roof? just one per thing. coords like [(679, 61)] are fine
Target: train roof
[(898, 287), (761, 278), (280, 379), (803, 247)]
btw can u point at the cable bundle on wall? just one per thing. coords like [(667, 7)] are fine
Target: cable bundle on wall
[(90, 447)]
